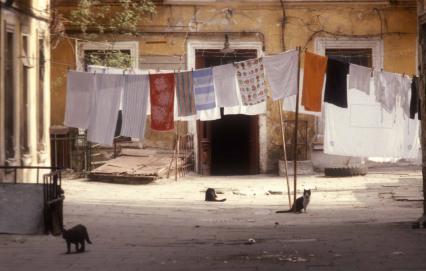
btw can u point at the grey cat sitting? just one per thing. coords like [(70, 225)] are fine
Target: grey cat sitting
[(300, 203), (211, 195), (76, 235)]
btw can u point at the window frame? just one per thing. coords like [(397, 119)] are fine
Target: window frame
[(132, 46), (321, 44)]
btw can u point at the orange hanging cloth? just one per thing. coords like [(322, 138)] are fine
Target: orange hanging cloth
[(313, 80), (162, 98)]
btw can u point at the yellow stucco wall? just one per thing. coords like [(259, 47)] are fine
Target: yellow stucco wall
[(168, 32)]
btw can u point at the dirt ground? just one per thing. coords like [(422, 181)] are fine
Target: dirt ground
[(357, 223)]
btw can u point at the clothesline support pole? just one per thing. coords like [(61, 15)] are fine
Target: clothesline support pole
[(285, 152), (295, 130), (177, 150)]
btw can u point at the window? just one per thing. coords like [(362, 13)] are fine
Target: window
[(9, 100), (115, 54), (24, 94), (40, 96), (108, 58), (363, 57)]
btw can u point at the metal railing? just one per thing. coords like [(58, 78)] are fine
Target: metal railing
[(183, 156), (53, 196)]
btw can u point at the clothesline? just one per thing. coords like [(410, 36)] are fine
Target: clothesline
[(240, 88)]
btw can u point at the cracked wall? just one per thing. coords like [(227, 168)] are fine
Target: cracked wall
[(166, 36)]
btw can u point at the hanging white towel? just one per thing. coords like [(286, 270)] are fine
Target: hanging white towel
[(80, 88), (359, 78), (387, 86), (281, 73), (105, 107), (135, 103), (365, 130), (225, 85)]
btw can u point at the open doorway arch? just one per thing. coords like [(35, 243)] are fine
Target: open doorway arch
[(213, 138)]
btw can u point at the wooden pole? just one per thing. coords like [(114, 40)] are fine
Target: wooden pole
[(285, 153), (295, 130), (177, 151)]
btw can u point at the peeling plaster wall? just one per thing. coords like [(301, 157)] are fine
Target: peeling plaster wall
[(168, 32)]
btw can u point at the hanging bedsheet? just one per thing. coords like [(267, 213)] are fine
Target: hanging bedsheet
[(365, 129)]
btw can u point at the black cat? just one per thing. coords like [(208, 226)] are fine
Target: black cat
[(76, 235), (211, 195), (300, 203)]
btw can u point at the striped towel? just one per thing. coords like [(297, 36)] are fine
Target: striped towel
[(185, 94), (106, 103), (251, 80), (204, 89), (135, 103)]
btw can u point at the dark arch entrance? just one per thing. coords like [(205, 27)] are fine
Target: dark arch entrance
[(230, 145)]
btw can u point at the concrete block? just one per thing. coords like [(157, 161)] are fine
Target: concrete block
[(303, 167), (21, 208)]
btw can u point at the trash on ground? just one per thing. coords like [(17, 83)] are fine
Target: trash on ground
[(250, 241)]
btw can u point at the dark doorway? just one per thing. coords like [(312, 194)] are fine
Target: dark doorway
[(230, 145)]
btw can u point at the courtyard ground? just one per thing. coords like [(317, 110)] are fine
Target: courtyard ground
[(356, 223)]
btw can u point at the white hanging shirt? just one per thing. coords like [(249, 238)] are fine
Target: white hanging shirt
[(359, 78), (281, 73), (387, 87)]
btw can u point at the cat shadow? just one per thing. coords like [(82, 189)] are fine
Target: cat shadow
[(74, 253)]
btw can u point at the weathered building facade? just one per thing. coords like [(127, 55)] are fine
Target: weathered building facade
[(191, 34), (24, 83)]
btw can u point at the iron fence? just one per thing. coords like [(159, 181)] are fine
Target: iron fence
[(71, 151)]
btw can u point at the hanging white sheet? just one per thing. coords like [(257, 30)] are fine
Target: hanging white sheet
[(281, 73), (225, 85), (80, 86), (365, 129)]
